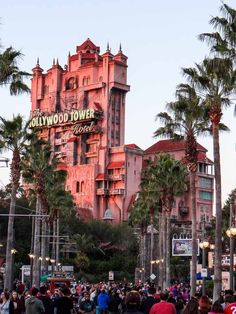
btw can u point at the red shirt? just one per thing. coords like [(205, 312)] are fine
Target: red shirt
[(231, 308), (163, 307)]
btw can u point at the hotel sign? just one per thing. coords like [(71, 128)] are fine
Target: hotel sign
[(83, 121)]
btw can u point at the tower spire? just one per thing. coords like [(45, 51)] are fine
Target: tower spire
[(53, 61), (120, 49), (108, 48), (37, 62)]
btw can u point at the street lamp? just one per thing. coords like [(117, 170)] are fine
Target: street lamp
[(31, 256), (231, 233), (204, 245)]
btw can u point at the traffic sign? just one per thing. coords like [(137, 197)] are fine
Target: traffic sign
[(204, 272), (111, 275)]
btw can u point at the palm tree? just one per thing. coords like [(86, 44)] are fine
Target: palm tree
[(59, 201), (35, 171), (214, 81), (223, 41), (140, 217), (10, 74), (185, 121), (169, 176), (13, 137)]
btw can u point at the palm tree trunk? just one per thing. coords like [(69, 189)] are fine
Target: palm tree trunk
[(167, 248), (54, 231), (144, 257), (160, 249), (10, 239), (218, 232), (192, 175), (164, 234), (57, 241), (151, 241), (35, 281), (43, 246)]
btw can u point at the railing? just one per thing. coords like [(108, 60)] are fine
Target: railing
[(102, 191), (117, 191)]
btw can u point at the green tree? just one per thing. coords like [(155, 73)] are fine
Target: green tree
[(223, 40), (13, 137), (10, 74), (185, 121), (214, 80)]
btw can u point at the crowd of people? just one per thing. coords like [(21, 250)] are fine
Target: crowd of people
[(113, 298)]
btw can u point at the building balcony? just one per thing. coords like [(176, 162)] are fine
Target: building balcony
[(116, 177), (91, 154), (102, 191), (117, 191)]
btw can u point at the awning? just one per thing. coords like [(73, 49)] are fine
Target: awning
[(101, 177), (115, 164)]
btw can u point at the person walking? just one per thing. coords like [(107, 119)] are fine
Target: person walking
[(64, 304), (6, 306), (103, 301), (47, 302), (33, 305), (148, 302), (132, 302), (17, 303), (163, 307)]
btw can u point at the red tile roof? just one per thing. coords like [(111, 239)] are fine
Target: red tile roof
[(101, 177), (132, 146), (202, 157), (170, 145), (115, 164)]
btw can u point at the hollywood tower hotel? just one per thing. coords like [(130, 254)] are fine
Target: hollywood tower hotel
[(80, 109)]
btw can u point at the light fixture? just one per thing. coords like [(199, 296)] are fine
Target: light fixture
[(231, 232), (212, 246), (31, 255), (52, 260), (47, 258), (40, 258), (13, 251)]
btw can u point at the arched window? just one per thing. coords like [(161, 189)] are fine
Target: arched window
[(77, 186), (82, 187), (71, 83)]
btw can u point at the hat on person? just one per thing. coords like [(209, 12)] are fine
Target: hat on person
[(132, 299)]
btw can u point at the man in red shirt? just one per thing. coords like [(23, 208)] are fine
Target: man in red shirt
[(230, 306), (163, 307)]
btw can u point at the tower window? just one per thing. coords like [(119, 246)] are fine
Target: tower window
[(77, 186), (82, 186)]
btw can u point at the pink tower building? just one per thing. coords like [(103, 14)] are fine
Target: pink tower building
[(80, 109)]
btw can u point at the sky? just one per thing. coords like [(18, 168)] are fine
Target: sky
[(158, 37)]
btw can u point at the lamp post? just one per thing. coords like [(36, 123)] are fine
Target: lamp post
[(204, 245), (31, 256), (231, 233)]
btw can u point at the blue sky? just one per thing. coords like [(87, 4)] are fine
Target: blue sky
[(159, 37)]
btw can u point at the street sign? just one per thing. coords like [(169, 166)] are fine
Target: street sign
[(204, 272), (2, 270), (152, 276), (111, 275)]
